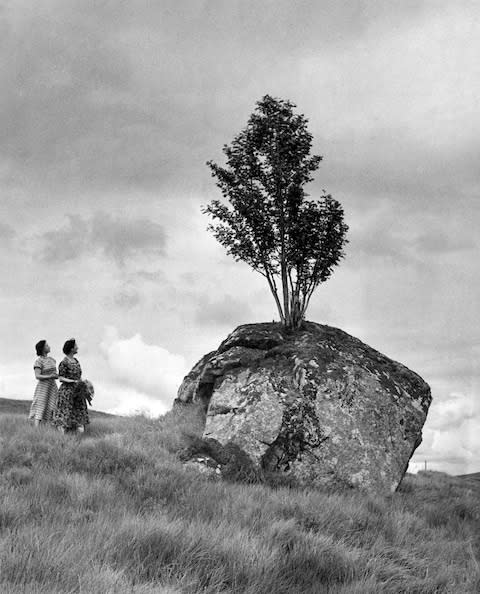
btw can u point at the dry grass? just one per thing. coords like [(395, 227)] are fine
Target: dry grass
[(116, 512)]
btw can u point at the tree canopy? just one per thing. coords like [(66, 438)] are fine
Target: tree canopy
[(269, 221)]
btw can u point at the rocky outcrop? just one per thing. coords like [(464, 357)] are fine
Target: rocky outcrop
[(317, 405)]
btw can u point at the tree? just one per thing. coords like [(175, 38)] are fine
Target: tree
[(271, 223)]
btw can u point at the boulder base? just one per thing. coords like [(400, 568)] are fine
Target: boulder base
[(316, 404)]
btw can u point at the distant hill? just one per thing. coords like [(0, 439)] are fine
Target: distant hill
[(12, 406), (474, 476)]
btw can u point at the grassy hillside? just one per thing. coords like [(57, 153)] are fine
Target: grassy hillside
[(474, 476), (22, 407), (115, 512)]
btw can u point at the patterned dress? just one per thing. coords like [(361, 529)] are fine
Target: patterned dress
[(71, 409), (46, 392)]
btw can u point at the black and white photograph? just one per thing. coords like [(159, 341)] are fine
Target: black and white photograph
[(240, 291)]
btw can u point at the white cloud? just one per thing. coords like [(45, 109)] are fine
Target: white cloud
[(123, 400), (451, 436), (150, 370), (452, 412)]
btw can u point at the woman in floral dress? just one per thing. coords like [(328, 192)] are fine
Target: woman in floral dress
[(45, 396), (71, 412)]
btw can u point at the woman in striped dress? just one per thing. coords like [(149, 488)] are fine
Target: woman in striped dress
[(45, 396)]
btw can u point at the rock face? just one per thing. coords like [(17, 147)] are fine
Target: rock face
[(317, 404)]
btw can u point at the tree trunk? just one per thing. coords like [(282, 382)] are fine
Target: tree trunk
[(286, 295), (273, 289), (284, 272)]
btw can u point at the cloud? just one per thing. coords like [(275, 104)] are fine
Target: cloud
[(380, 244), (224, 311), (381, 235), (99, 96), (439, 242), (119, 238), (155, 276), (115, 95), (127, 298), (49, 119), (450, 413), (67, 243), (6, 234), (116, 238), (451, 439), (150, 370), (124, 400)]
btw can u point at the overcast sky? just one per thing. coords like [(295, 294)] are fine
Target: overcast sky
[(109, 111)]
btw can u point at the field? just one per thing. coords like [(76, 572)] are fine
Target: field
[(116, 512)]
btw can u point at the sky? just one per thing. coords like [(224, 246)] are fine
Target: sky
[(109, 111)]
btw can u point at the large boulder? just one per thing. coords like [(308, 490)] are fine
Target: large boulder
[(316, 404)]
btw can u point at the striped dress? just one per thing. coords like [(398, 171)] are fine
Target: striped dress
[(45, 396)]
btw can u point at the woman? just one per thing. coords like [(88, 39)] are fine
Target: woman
[(46, 392), (70, 413)]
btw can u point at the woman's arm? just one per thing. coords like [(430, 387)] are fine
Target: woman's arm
[(44, 376), (63, 372)]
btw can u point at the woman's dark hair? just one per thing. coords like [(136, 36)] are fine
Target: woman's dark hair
[(68, 346), (40, 346)]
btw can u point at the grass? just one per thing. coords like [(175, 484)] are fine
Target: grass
[(116, 512)]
